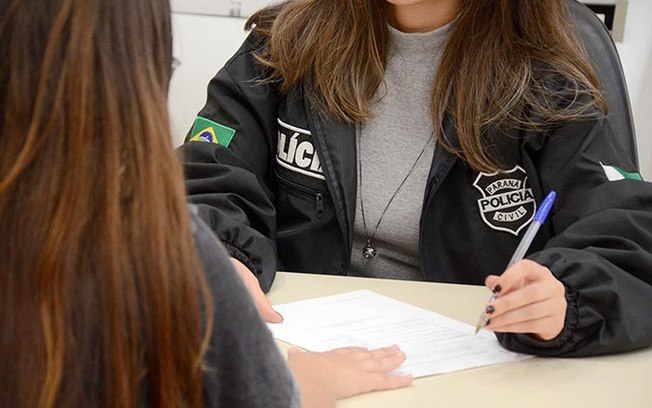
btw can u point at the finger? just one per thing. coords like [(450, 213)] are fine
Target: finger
[(265, 308), (519, 274), (364, 354), (361, 352), (382, 363), (389, 382), (528, 326), (373, 361), (527, 295), (385, 352), (518, 299), (545, 329), (293, 350), (491, 281), (544, 319), (349, 351), (533, 311)]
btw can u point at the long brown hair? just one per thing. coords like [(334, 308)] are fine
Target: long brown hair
[(507, 64), (101, 292)]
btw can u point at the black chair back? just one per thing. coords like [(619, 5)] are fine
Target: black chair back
[(604, 57)]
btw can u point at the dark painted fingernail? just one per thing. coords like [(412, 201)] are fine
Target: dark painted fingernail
[(487, 322), (497, 288), (490, 309)]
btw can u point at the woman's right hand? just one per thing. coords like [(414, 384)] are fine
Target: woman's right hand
[(344, 372)]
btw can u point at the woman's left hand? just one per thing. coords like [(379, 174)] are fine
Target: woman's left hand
[(529, 300), (344, 372)]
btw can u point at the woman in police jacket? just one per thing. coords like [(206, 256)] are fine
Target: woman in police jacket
[(448, 122)]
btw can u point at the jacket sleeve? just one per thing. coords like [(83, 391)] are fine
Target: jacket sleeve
[(602, 244), (230, 184)]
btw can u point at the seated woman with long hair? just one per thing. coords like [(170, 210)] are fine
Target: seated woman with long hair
[(111, 294)]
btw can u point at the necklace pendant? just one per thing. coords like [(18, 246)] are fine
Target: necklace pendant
[(369, 251)]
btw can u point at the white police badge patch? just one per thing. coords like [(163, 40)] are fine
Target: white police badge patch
[(507, 202)]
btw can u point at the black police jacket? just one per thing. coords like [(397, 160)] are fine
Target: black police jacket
[(281, 195)]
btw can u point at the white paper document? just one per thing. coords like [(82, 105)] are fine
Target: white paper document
[(434, 344)]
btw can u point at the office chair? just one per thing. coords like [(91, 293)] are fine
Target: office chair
[(604, 57)]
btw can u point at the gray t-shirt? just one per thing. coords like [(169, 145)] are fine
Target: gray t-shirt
[(388, 148), (243, 365)]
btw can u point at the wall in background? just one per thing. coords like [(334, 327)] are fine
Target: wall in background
[(231, 8), (636, 55), (204, 43)]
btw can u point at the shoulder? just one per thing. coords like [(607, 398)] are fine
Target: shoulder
[(256, 42), (244, 69)]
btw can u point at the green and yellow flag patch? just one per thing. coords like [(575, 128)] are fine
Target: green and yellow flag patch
[(205, 130)]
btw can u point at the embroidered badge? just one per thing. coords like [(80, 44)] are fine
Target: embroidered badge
[(205, 130), (296, 152), (614, 173), (507, 202)]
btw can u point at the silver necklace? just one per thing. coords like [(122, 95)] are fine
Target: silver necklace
[(369, 250)]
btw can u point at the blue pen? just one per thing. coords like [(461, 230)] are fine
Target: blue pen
[(523, 246)]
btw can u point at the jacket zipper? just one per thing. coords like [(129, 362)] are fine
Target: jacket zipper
[(317, 124), (319, 204), (308, 192)]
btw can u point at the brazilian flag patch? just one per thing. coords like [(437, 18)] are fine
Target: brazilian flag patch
[(205, 130)]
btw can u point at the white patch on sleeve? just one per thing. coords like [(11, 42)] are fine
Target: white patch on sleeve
[(611, 173)]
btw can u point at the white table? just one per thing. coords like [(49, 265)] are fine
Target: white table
[(622, 381)]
